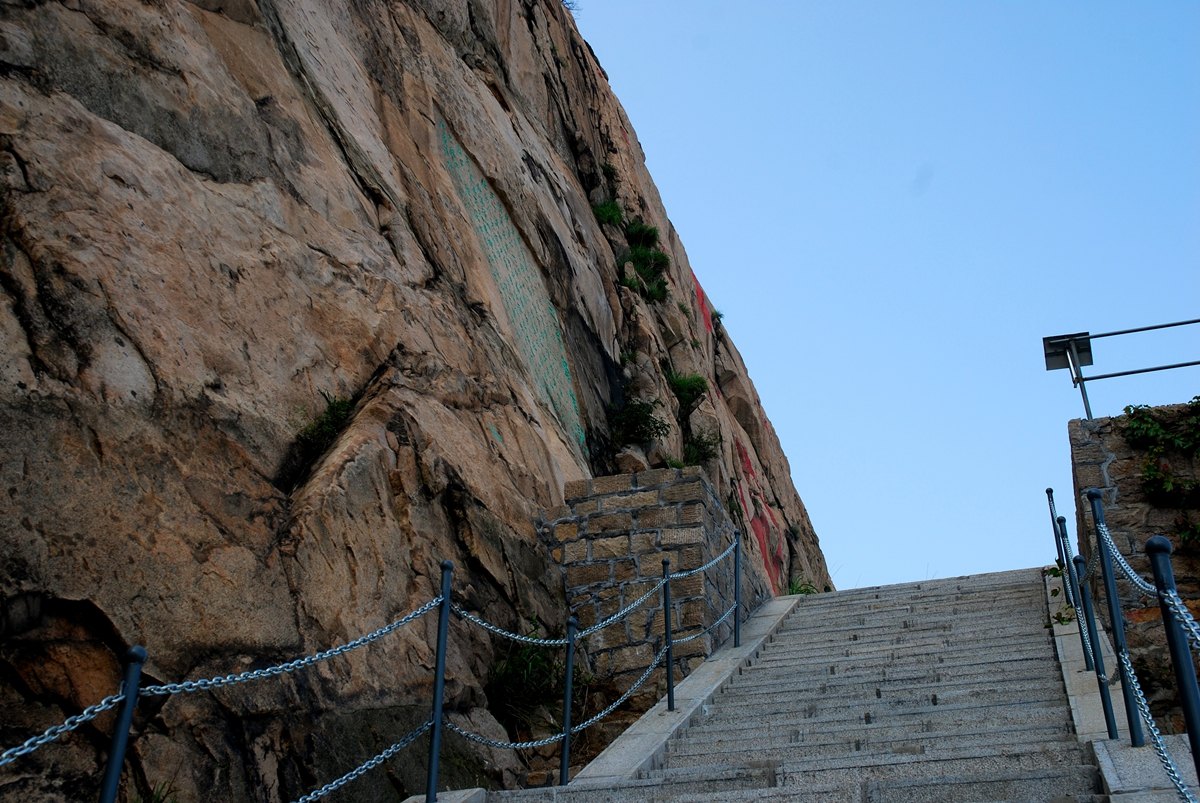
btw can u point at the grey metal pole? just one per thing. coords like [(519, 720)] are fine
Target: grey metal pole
[(134, 658), (439, 685), (564, 762), (667, 634), (1159, 550), (1118, 622), (737, 588), (1077, 377), (1073, 577), (1063, 563), (1110, 718)]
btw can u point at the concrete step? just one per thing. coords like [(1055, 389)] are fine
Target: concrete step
[(842, 689), (796, 759), (1075, 784), (897, 705), (940, 719), (706, 746), (972, 666), (720, 780), (1063, 785)]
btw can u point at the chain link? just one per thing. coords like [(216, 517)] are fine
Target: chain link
[(705, 631), (1155, 736), (1183, 616), (71, 723), (366, 766), (290, 666), (628, 693), (499, 631), (475, 737), (1086, 634), (705, 567), (621, 614), (1147, 588)]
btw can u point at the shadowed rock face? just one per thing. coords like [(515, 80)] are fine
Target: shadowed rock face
[(212, 214)]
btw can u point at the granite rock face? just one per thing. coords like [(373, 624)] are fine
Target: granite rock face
[(218, 218)]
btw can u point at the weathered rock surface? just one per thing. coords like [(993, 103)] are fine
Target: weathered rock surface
[(212, 213)]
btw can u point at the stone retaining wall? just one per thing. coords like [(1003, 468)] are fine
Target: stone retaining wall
[(610, 539), (1101, 458)]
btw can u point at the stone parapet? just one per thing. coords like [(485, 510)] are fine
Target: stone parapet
[(610, 540)]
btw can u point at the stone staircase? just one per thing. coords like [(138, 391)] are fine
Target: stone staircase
[(945, 690)]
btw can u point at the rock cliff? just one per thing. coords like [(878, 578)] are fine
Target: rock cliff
[(299, 299)]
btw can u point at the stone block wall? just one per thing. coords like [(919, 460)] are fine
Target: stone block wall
[(610, 539), (1101, 458)]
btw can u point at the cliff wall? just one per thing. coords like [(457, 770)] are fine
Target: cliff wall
[(228, 227)]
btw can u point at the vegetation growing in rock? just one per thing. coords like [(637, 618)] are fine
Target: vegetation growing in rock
[(689, 389), (1171, 442), (700, 447), (801, 586), (314, 440), (636, 424), (608, 212), (527, 680)]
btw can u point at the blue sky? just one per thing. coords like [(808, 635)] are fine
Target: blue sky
[(892, 203)]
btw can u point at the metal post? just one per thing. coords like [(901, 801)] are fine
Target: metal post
[(564, 763), (1077, 377), (1110, 718), (134, 658), (439, 685), (1062, 562), (1118, 622), (737, 588), (1159, 550), (667, 634), (1073, 579)]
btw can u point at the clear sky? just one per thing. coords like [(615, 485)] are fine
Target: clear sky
[(892, 203)]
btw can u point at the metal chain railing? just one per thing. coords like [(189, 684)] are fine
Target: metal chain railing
[(621, 614), (728, 612), (705, 567), (71, 723), (1183, 616), (1156, 739), (1146, 587), (433, 725), (290, 666), (499, 631), (366, 766), (628, 693)]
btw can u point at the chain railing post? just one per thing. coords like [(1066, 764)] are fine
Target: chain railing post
[(1063, 556), (564, 763), (439, 685), (1085, 596), (1159, 550), (1118, 621), (134, 658), (667, 634), (1073, 577), (737, 588)]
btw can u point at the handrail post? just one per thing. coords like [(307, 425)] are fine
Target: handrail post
[(439, 685), (737, 588), (564, 763), (1118, 622), (1063, 563), (1159, 550), (1085, 595), (667, 633), (1073, 578), (134, 658)]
